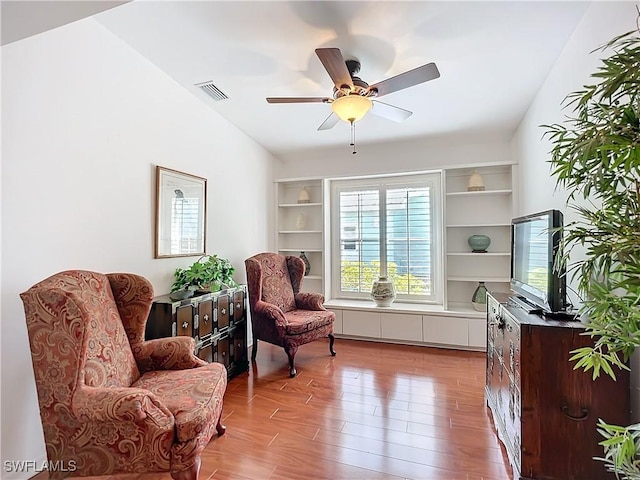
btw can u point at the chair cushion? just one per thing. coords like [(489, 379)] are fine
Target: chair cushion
[(193, 396), (303, 321)]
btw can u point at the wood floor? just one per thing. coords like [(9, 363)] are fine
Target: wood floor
[(375, 411)]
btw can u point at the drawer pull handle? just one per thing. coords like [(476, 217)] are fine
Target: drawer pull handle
[(223, 311), (185, 324), (238, 305), (584, 413)]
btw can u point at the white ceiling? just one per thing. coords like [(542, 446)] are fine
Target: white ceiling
[(492, 56), (21, 18)]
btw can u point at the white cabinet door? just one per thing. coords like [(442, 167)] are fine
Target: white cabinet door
[(361, 324), (445, 330), (401, 326), (337, 326), (478, 332)]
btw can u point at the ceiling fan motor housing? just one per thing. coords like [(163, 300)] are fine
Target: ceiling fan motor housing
[(360, 87)]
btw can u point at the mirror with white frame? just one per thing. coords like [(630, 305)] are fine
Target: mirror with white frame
[(181, 214)]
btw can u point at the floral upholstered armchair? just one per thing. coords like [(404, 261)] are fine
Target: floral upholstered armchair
[(109, 400), (280, 313)]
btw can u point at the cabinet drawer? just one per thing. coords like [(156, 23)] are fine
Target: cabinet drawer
[(398, 326), (184, 321), (222, 311), (205, 319), (361, 324), (238, 306), (239, 347), (445, 330), (220, 348), (512, 347), (205, 352), (493, 368)]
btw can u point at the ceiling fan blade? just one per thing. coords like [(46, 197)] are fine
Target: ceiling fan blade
[(336, 67), (407, 79), (297, 99), (390, 112), (330, 122)]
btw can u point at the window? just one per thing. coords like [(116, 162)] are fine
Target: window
[(387, 226), (186, 220)]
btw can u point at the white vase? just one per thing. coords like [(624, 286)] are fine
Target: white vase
[(301, 221), (303, 196), (383, 292), (476, 182)]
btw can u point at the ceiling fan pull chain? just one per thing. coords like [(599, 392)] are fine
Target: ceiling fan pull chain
[(353, 137)]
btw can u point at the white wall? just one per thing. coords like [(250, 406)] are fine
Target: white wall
[(84, 121), (395, 157), (602, 22)]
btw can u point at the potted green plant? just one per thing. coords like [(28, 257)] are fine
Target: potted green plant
[(596, 159), (209, 273)]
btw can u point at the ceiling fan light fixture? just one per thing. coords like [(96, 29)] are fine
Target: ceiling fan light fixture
[(351, 108)]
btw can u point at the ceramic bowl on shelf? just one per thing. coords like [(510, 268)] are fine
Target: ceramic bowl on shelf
[(479, 243)]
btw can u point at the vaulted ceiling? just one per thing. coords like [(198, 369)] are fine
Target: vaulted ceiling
[(492, 56)]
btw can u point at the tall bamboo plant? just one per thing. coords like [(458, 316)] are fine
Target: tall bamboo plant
[(595, 157)]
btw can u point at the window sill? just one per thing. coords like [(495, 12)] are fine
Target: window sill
[(457, 310)]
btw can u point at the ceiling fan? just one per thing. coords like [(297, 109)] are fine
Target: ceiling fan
[(352, 97)]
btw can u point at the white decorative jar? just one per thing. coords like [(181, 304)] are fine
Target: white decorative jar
[(383, 292), (303, 196), (476, 182), (301, 221)]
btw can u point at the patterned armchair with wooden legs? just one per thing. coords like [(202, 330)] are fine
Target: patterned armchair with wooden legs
[(280, 313), (110, 401)]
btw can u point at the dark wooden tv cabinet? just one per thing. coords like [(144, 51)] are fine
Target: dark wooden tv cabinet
[(545, 413)]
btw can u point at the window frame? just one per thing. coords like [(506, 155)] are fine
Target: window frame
[(383, 183)]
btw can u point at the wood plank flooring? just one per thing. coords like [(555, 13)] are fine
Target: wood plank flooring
[(375, 411)]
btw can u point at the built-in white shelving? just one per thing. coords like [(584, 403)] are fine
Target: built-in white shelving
[(306, 250), (455, 323), (486, 212), (481, 193), (488, 254), (476, 278), (299, 205), (300, 226), (479, 225)]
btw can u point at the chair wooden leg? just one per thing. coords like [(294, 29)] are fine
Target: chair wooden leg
[(220, 428), (190, 473), (331, 340), (291, 353), (254, 349)]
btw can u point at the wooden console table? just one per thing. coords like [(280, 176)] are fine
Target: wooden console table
[(217, 321), (545, 412)]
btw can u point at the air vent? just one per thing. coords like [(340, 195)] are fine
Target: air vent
[(210, 89)]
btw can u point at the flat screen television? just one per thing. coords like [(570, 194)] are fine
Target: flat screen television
[(535, 240)]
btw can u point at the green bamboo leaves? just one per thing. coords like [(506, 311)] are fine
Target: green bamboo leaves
[(596, 158)]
